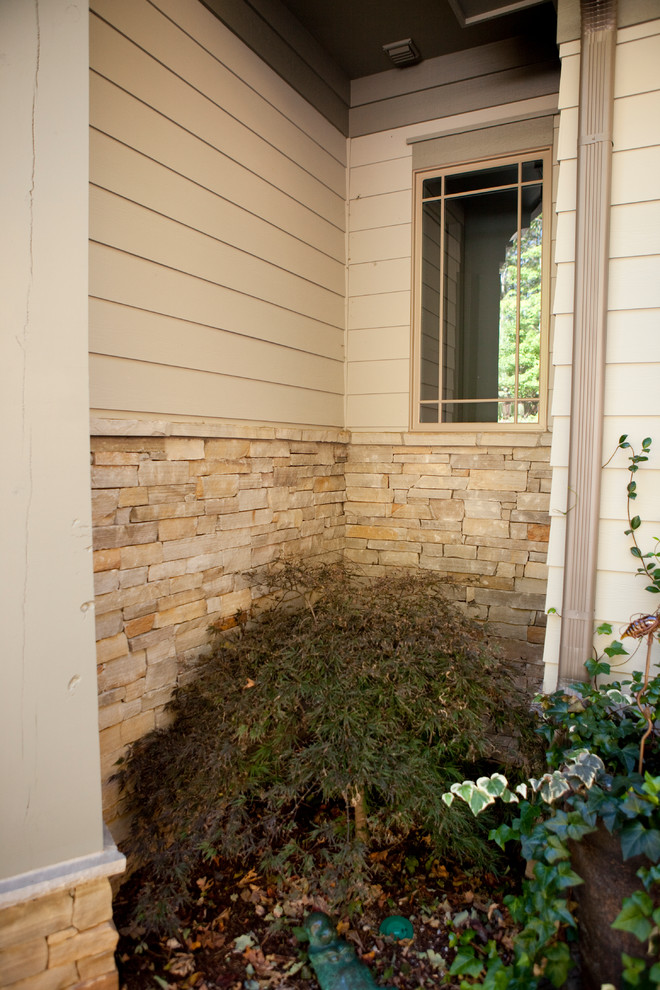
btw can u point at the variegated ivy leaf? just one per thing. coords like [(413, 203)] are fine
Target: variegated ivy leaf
[(475, 798), (551, 786), (585, 768)]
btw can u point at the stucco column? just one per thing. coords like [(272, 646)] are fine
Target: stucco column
[(50, 780)]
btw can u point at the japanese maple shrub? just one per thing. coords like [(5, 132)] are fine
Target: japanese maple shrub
[(329, 724)]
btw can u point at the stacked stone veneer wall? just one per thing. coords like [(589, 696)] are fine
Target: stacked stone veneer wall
[(472, 508), (179, 524), (181, 521), (63, 939)]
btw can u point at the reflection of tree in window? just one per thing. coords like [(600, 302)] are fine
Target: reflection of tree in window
[(529, 334)]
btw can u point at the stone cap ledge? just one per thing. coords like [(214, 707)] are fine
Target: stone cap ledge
[(63, 876), (101, 427)]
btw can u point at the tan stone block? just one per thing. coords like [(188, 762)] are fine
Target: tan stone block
[(180, 613), (135, 689), (403, 546), (536, 570), (486, 527), (457, 565), (427, 468), (185, 582), (109, 715), (288, 519), (105, 582), (134, 728), (92, 904), (447, 509), (237, 561), (480, 460), (538, 533), (151, 473), (335, 483), (252, 498), (393, 558), (167, 569), (167, 494), (193, 635), (160, 675), (120, 672), (180, 598), (217, 486), (93, 966), (138, 626), (114, 477), (129, 497), (362, 556), (236, 601), (183, 449), (369, 495), (111, 648), (506, 569), (531, 585), (226, 450), (177, 529), (108, 624), (203, 562), (92, 942), (200, 468), (106, 560), (481, 508), (133, 577), (415, 510), (514, 481), (110, 739), (155, 700), (360, 532), (535, 634), (166, 510), (59, 978), (466, 552), (503, 553), (19, 962), (141, 556), (127, 535), (534, 502), (41, 916), (116, 457), (449, 485), (104, 506), (193, 547)]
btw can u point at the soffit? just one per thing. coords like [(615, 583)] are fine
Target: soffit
[(352, 32)]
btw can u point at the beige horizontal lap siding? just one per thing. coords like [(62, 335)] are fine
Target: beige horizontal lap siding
[(633, 343), (217, 226), (633, 354)]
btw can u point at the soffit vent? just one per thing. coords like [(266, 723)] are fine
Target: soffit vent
[(403, 53)]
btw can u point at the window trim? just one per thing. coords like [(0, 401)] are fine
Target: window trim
[(419, 176)]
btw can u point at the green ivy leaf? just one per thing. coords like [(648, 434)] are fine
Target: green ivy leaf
[(615, 649), (635, 522), (558, 964), (634, 916), (466, 963), (636, 839)]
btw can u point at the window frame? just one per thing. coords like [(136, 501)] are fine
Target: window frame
[(420, 175)]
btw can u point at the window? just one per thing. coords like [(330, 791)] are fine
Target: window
[(481, 293)]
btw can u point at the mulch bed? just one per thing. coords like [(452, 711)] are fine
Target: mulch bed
[(244, 930)]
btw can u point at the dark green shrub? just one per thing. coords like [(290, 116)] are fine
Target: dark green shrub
[(353, 712)]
